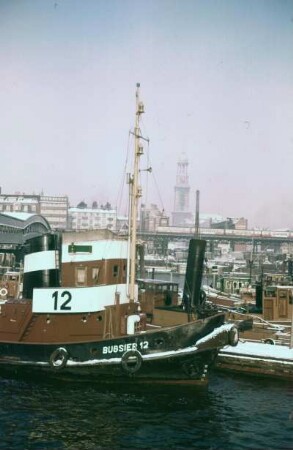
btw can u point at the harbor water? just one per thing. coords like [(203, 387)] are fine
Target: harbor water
[(232, 412)]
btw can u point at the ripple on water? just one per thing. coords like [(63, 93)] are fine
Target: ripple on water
[(233, 413)]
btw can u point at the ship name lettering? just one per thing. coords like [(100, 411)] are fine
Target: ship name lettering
[(121, 348)]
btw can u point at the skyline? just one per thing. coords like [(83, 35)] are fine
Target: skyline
[(216, 81)]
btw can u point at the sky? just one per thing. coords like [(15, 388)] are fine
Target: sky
[(216, 80)]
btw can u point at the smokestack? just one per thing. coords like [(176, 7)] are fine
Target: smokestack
[(196, 229), (258, 296), (194, 271), (45, 249)]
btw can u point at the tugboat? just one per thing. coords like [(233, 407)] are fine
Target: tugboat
[(80, 313)]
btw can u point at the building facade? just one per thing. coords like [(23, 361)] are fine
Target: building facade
[(92, 219), (53, 208), (152, 217)]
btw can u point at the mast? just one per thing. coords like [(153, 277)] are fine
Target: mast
[(135, 194)]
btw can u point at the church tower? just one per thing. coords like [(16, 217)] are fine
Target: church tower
[(181, 216)]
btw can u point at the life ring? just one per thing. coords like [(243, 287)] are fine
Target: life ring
[(233, 336), (59, 358), (131, 361), (3, 292)]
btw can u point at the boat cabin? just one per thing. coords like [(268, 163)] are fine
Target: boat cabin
[(166, 292), (157, 293), (11, 286), (277, 302), (159, 299)]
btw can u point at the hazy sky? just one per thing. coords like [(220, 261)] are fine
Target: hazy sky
[(216, 79)]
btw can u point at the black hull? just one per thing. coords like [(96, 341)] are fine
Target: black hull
[(182, 353), (183, 370)]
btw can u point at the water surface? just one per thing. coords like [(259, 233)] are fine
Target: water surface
[(234, 412)]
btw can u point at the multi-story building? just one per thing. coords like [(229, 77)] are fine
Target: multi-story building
[(240, 223), (92, 219), (151, 217), (19, 203), (54, 209)]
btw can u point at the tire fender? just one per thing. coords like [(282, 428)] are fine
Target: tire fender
[(233, 336), (269, 341), (59, 358), (131, 361)]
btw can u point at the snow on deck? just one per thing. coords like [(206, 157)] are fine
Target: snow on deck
[(259, 351)]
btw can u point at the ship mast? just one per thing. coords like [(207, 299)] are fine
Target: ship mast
[(135, 194)]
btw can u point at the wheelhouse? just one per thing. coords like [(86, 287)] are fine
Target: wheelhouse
[(166, 292)]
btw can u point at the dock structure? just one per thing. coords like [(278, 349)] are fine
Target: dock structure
[(258, 359)]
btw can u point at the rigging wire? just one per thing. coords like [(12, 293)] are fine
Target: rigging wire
[(158, 192), (120, 200), (121, 190), (149, 165)]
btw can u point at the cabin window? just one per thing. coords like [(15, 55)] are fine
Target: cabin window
[(115, 270), (95, 275), (80, 276), (270, 293)]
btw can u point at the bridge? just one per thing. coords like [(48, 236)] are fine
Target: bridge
[(222, 234), (163, 235)]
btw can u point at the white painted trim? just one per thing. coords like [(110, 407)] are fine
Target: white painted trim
[(82, 299), (104, 249), (45, 260)]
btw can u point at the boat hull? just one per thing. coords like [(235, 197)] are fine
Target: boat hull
[(183, 353)]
